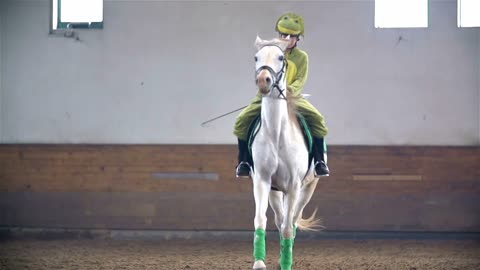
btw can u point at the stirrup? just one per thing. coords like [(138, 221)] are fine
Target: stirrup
[(242, 173), (327, 171)]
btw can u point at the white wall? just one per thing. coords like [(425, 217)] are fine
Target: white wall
[(160, 68), (2, 7), (478, 82)]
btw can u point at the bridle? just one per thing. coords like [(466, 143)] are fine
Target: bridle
[(276, 76)]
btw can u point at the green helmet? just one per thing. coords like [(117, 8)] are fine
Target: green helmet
[(290, 24)]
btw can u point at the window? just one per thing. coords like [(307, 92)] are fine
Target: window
[(401, 13), (468, 13), (68, 14)]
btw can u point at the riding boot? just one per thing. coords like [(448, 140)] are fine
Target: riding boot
[(321, 168), (243, 167)]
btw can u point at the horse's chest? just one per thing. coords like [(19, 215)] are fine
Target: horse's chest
[(264, 152), (268, 154)]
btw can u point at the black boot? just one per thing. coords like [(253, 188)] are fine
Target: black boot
[(321, 168), (243, 167)]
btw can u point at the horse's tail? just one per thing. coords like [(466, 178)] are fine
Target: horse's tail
[(310, 224)]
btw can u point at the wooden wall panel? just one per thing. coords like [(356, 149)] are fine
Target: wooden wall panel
[(380, 188)]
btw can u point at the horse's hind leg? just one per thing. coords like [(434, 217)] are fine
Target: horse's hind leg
[(261, 189), (276, 202), (306, 193), (287, 233)]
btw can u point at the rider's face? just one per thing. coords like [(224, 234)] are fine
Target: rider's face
[(292, 38)]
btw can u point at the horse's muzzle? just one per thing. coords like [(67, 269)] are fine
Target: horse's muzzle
[(264, 82)]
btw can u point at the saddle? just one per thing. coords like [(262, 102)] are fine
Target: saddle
[(306, 131)]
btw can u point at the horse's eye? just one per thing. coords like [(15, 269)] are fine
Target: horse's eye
[(256, 59), (281, 58)]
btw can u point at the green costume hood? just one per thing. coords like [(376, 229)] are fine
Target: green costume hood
[(290, 24)]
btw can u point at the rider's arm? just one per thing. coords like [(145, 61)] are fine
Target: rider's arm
[(302, 73)]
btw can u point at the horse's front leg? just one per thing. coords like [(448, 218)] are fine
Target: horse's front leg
[(261, 189), (288, 228)]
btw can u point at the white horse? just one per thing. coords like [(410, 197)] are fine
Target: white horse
[(280, 157)]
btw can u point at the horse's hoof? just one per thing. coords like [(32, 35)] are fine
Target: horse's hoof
[(259, 265)]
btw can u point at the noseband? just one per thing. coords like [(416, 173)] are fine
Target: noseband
[(276, 77)]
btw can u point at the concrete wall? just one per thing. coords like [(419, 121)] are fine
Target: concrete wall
[(160, 68)]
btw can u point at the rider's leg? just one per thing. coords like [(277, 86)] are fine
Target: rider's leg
[(320, 155), (316, 122), (243, 167), (242, 124)]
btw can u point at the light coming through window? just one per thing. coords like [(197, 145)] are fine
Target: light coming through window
[(77, 14), (401, 13), (468, 13)]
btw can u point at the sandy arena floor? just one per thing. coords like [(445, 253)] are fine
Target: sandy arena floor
[(186, 254)]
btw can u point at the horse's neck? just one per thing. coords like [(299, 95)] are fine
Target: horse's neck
[(274, 117)]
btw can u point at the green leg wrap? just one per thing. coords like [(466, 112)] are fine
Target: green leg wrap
[(259, 248), (281, 239), (286, 258)]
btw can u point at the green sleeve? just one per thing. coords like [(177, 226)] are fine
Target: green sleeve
[(302, 74)]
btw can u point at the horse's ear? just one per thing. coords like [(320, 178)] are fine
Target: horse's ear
[(258, 43)]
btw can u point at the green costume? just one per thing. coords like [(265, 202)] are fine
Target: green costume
[(297, 73)]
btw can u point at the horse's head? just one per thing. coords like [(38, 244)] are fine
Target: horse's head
[(270, 65)]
